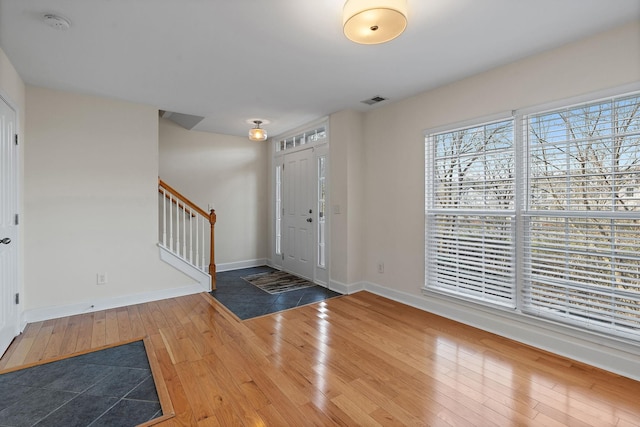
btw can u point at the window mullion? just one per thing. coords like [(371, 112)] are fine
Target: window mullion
[(521, 144)]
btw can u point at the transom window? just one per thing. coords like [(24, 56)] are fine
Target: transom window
[(562, 213), (308, 137)]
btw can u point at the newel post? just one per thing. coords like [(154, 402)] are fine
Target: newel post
[(212, 252)]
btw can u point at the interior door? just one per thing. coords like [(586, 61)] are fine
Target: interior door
[(298, 203), (9, 326)]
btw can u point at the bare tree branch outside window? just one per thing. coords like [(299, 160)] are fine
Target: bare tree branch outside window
[(570, 206)]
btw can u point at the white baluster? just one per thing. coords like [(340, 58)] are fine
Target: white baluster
[(204, 225), (170, 223), (177, 251), (196, 237), (190, 235), (184, 232), (164, 217), (197, 243)]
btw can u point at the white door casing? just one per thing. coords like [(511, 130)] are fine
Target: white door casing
[(298, 203), (9, 320)]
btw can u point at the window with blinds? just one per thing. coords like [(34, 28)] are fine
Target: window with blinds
[(582, 234), (556, 205), (470, 212)]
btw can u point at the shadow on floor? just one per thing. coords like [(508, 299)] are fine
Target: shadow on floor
[(111, 387), (247, 301)]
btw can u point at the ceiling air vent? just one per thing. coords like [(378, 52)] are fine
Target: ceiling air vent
[(374, 100)]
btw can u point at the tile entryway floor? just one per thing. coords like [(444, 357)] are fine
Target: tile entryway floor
[(247, 301), (110, 387)]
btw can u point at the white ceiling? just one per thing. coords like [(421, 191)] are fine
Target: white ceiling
[(285, 61)]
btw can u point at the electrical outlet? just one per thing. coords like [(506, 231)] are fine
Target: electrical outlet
[(101, 279), (381, 267)]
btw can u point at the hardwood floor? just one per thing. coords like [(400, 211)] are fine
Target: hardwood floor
[(352, 360)]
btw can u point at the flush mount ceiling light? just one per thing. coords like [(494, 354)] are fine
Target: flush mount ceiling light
[(56, 21), (256, 133), (374, 21)]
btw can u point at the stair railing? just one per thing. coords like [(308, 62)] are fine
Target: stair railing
[(186, 230)]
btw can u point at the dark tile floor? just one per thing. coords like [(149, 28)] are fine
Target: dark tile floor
[(111, 387), (247, 301)]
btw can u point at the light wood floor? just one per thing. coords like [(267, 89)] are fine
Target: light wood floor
[(353, 360)]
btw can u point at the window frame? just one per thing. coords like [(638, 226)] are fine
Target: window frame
[(522, 194), (583, 307), (492, 292)]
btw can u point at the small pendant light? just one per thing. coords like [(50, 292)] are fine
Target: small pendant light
[(256, 133)]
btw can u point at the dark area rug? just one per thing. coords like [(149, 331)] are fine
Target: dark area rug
[(247, 301), (110, 387), (277, 282)]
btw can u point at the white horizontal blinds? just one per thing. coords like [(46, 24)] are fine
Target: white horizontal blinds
[(582, 246), (472, 256), (471, 212)]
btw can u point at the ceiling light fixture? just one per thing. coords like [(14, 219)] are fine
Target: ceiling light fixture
[(256, 133), (374, 21)]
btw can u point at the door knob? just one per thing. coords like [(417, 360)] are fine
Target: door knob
[(309, 220), (5, 241)]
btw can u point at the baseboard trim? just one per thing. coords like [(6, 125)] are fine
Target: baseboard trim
[(241, 264), (345, 289), (47, 313), (613, 356)]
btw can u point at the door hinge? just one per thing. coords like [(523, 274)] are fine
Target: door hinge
[(17, 298), (17, 219), (16, 139)]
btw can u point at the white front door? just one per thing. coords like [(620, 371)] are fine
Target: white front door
[(298, 204), (9, 323)]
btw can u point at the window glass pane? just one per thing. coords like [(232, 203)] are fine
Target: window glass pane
[(474, 167), (582, 264), (321, 210), (278, 212), (584, 271), (308, 137), (472, 256), (577, 224)]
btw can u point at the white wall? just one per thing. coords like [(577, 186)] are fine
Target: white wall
[(394, 166), (91, 170), (347, 194), (228, 172)]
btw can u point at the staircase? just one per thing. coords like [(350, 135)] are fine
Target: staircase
[(186, 236)]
